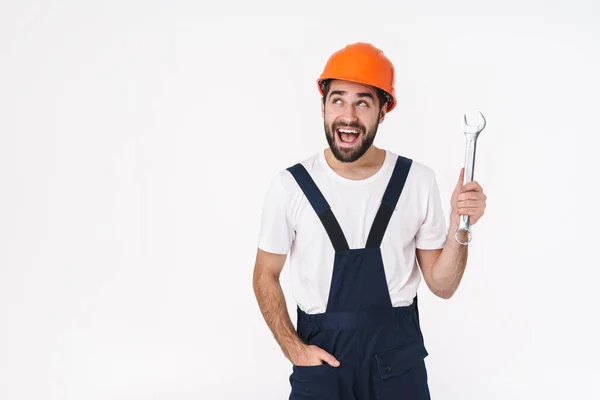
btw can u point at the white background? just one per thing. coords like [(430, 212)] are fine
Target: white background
[(137, 140)]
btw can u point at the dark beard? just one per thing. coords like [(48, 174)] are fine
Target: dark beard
[(345, 156)]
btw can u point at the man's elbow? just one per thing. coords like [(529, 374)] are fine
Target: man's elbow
[(444, 294), (263, 276), (439, 289)]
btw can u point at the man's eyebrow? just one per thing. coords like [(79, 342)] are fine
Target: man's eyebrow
[(369, 95), (342, 92), (339, 92)]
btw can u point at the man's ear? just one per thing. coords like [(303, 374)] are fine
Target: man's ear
[(322, 108), (382, 114)]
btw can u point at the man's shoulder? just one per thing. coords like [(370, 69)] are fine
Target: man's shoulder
[(284, 177), (418, 169), (422, 170), (309, 163)]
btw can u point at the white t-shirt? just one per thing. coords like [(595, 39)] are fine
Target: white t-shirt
[(289, 225)]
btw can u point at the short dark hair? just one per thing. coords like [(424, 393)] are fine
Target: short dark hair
[(383, 96)]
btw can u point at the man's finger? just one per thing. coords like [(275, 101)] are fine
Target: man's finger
[(471, 196), (473, 185), (469, 211), (469, 204), (328, 358)]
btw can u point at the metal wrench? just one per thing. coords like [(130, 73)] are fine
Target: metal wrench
[(471, 135)]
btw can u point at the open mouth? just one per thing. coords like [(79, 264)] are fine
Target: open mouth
[(348, 136)]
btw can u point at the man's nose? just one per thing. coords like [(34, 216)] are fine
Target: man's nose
[(349, 114)]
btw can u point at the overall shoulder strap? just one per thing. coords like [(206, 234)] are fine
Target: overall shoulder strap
[(320, 205), (389, 201)]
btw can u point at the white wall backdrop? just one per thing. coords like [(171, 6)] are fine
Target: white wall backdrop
[(137, 140)]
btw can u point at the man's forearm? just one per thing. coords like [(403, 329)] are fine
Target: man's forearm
[(449, 267), (271, 302)]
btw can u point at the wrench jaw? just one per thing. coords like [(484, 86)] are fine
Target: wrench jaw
[(463, 226), (456, 236), (473, 129)]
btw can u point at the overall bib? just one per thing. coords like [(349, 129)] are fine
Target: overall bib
[(380, 347)]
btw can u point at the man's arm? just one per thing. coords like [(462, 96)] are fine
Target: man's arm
[(443, 269), (272, 304), (271, 301)]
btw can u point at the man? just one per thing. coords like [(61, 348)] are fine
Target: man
[(358, 222)]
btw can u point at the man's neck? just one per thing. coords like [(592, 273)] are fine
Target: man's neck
[(363, 168)]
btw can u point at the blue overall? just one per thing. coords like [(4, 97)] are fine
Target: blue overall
[(380, 347)]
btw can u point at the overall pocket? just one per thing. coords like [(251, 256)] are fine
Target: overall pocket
[(401, 373), (314, 382)]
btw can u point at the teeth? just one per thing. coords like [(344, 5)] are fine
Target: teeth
[(348, 131)]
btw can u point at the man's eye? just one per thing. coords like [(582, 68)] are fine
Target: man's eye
[(363, 103)]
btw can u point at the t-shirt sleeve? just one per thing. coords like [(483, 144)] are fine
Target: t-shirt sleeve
[(276, 232), (433, 232)]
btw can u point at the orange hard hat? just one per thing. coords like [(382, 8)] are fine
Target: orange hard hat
[(361, 63)]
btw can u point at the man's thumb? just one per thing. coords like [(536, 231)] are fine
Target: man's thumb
[(461, 177), (329, 359)]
